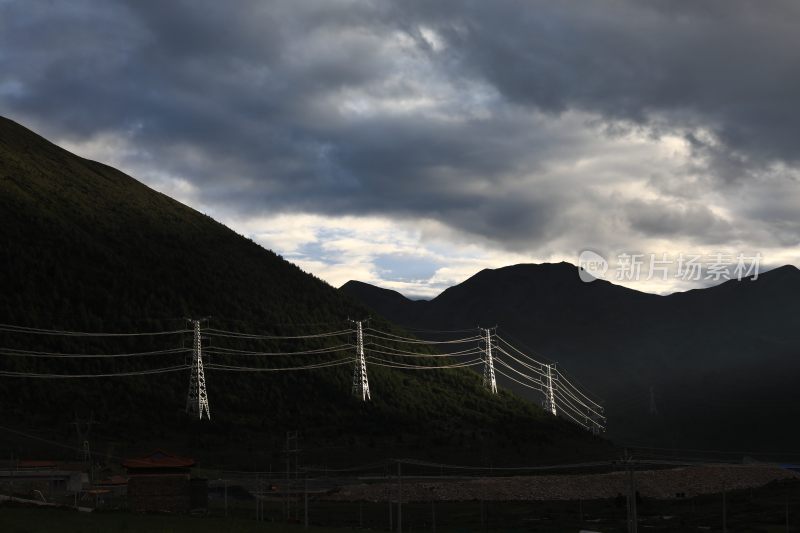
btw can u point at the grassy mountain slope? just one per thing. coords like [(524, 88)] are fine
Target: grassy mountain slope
[(85, 247), (722, 361)]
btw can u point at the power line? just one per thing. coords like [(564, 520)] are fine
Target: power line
[(7, 373), (231, 351), (394, 364), (467, 330), (528, 348), (559, 391), (63, 333), (212, 366), (555, 386), (526, 376), (13, 352), (406, 353), (211, 332), (539, 388), (563, 379), (384, 335), (526, 365)]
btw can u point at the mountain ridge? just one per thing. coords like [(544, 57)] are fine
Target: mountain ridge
[(704, 352), (351, 285)]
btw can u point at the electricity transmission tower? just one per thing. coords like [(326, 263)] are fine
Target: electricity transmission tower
[(197, 400), (489, 382), (292, 451), (550, 400), (83, 431), (360, 380)]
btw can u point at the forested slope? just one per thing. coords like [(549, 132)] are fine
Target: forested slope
[(85, 247)]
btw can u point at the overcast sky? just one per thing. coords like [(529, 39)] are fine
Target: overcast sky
[(412, 143)]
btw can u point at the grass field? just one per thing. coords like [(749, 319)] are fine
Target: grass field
[(770, 509), (30, 520)]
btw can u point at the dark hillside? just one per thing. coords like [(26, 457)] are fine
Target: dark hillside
[(85, 247), (723, 362)]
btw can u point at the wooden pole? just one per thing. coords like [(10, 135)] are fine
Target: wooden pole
[(633, 521), (399, 497), (305, 502), (724, 510)]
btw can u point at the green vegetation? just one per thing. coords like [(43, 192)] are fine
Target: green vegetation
[(85, 247)]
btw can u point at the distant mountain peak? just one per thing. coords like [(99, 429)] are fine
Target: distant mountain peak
[(355, 286), (788, 270)]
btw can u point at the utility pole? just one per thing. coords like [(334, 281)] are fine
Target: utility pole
[(87, 459), (286, 491), (292, 471), (634, 526), (197, 400), (550, 400), (787, 513), (489, 382), (360, 381), (633, 520), (258, 492), (305, 501), (399, 497), (84, 431), (724, 509)]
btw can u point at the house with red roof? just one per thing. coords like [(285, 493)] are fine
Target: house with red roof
[(162, 482)]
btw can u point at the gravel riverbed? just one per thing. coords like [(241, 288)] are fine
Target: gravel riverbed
[(660, 484)]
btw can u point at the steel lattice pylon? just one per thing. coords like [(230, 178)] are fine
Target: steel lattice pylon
[(550, 400), (197, 400), (489, 382), (360, 380)]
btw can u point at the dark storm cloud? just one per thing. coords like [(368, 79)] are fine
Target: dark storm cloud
[(247, 100), (730, 66), (659, 218)]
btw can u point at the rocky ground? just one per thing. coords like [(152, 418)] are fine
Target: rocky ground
[(660, 484)]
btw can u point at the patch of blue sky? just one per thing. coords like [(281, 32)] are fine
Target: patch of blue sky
[(405, 267)]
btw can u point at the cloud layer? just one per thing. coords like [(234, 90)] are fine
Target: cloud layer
[(419, 138)]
